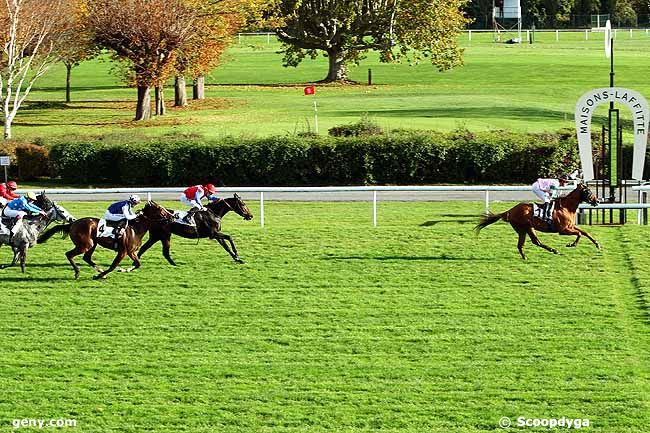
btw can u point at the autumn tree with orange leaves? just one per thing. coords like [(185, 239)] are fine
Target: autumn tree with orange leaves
[(147, 35)]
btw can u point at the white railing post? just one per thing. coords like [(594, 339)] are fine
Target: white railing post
[(470, 35), (586, 35), (527, 35), (639, 212), (268, 39), (262, 209), (374, 208), (148, 196), (487, 201), (557, 36)]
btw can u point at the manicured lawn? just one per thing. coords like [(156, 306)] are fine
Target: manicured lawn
[(516, 87), (414, 326)]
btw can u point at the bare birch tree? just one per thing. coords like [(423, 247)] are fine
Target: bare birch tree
[(32, 31)]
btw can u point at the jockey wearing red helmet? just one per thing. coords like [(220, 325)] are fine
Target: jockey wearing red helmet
[(7, 192), (192, 197)]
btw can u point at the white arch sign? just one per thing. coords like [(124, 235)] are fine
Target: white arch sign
[(584, 112)]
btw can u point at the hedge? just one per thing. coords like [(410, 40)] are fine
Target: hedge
[(396, 158)]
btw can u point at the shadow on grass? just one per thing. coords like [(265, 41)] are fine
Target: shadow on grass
[(29, 278), (459, 221), (443, 257)]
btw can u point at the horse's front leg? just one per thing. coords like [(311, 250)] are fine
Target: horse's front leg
[(120, 255), (136, 262), (571, 232), (536, 241), (222, 238), (594, 241)]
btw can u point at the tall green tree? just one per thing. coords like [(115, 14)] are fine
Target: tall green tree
[(345, 30)]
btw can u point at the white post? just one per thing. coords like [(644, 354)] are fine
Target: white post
[(262, 209), (487, 201), (374, 208), (630, 33), (148, 196), (470, 35), (315, 115), (557, 35), (268, 38), (639, 212), (239, 38), (527, 35), (586, 35)]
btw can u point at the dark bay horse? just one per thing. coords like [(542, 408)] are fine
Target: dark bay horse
[(83, 234), (524, 223), (208, 225)]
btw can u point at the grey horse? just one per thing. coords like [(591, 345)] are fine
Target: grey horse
[(27, 233)]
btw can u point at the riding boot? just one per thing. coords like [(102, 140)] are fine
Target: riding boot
[(547, 213), (190, 215)]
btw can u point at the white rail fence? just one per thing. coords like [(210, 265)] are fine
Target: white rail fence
[(641, 207)]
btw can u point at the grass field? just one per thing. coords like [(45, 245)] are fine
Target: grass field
[(517, 87), (333, 326)]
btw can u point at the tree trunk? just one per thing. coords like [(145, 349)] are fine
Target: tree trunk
[(180, 92), (338, 70), (143, 109), (68, 74), (198, 88), (7, 128), (160, 101)]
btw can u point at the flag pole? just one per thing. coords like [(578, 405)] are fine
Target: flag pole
[(315, 114)]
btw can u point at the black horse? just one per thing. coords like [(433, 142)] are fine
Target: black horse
[(208, 225)]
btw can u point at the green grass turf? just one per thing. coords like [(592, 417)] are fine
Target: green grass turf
[(517, 87), (333, 326)]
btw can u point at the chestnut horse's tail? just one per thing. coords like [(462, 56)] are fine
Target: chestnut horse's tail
[(490, 218), (63, 228)]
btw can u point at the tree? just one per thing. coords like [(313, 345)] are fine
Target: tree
[(346, 29), (77, 46), (145, 34), (32, 35)]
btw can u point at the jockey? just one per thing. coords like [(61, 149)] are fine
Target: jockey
[(547, 189), (192, 197), (121, 212), (7, 192), (21, 206)]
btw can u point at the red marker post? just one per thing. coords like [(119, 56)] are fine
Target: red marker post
[(311, 90)]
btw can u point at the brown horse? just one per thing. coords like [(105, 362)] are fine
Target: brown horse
[(83, 234), (524, 223)]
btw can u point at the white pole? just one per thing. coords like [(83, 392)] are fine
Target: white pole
[(268, 38), (630, 33), (315, 114), (374, 208), (557, 35), (586, 35), (487, 201), (638, 212), (239, 38), (527, 35), (470, 35), (262, 209)]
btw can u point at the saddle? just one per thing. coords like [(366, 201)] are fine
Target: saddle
[(185, 217), (109, 229)]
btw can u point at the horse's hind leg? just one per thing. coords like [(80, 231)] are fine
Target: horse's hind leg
[(71, 255), (136, 262), (23, 258), (536, 241), (520, 244)]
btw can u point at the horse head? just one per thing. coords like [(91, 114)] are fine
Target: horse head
[(54, 211), (240, 208), (586, 195), (154, 212)]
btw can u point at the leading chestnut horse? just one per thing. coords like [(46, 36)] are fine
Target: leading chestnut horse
[(83, 234), (524, 223)]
